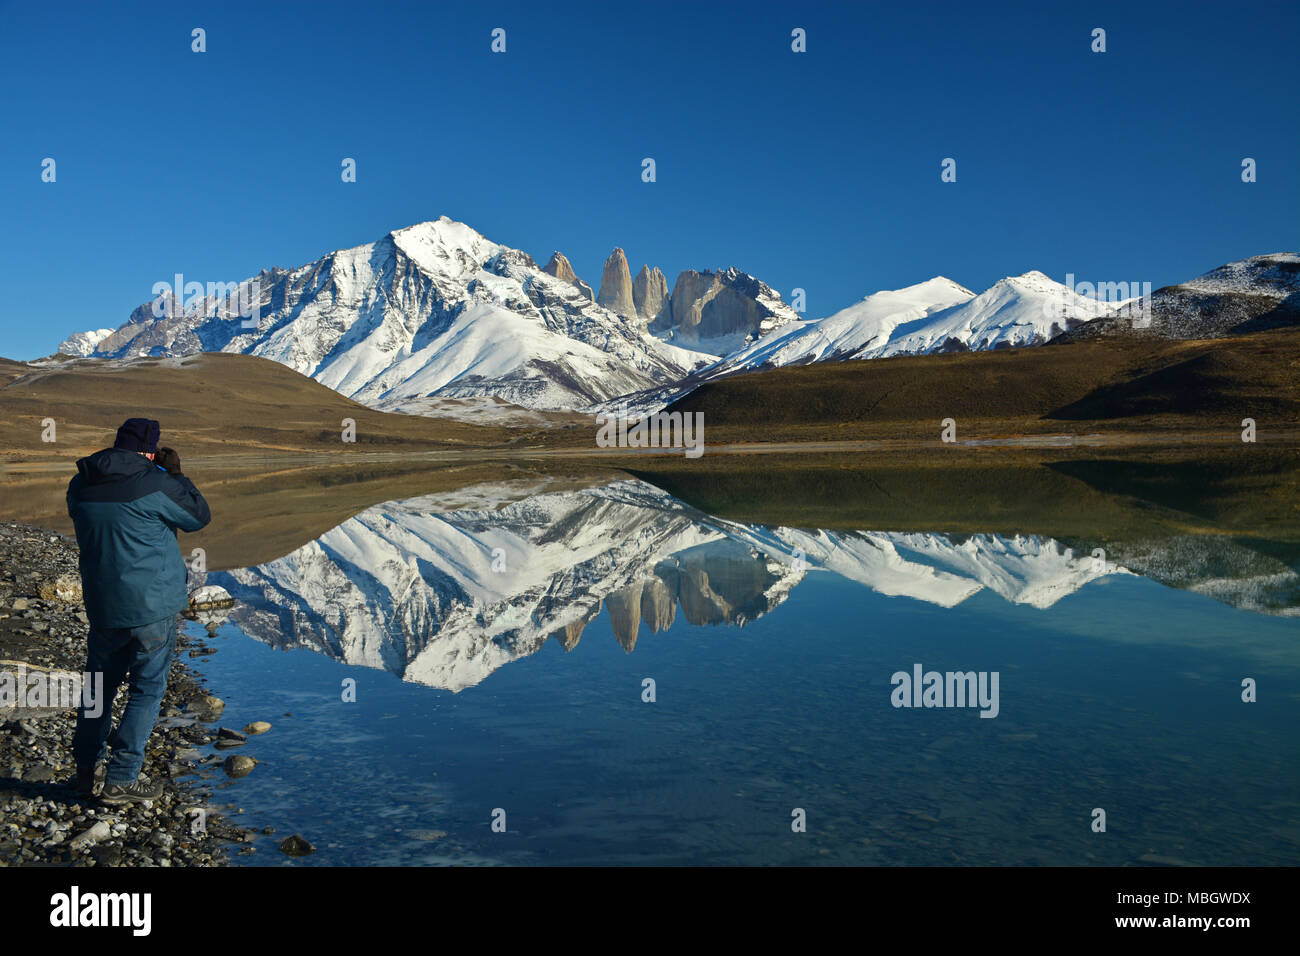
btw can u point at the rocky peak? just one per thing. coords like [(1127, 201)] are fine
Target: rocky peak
[(559, 267), (729, 307), (649, 293), (616, 285)]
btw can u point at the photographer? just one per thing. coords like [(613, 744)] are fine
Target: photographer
[(127, 503)]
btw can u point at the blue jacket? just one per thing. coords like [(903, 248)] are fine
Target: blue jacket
[(126, 511)]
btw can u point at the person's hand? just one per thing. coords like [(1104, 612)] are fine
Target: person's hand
[(168, 460)]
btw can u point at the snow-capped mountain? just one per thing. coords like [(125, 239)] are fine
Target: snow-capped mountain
[(1248, 295), (937, 315), (84, 343), (933, 316), (435, 308), (446, 589), (1017, 311), (437, 311), (862, 327), (1030, 309), (1276, 275)]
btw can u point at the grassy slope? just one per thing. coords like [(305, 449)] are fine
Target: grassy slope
[(213, 404), (260, 440), (1194, 387)]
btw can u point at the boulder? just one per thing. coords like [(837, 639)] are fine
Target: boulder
[(209, 605), (296, 846), (238, 765), (210, 596), (88, 838), (66, 588), (206, 707)]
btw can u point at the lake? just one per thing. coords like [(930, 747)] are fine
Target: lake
[(510, 674)]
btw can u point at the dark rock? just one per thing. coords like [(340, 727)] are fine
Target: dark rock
[(108, 855), (237, 765), (296, 846)]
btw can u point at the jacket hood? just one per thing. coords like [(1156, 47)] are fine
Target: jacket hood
[(112, 464)]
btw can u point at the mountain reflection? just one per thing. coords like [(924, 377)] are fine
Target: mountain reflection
[(443, 591)]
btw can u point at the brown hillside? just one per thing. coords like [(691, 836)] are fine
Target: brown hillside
[(1104, 385), (213, 403)]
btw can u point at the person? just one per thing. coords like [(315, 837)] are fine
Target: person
[(127, 504)]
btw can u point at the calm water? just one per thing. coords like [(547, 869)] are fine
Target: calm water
[(771, 653)]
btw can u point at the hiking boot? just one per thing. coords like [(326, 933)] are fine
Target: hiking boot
[(141, 791)]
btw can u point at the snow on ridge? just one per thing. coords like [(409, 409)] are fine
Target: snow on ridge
[(430, 308), (445, 247), (437, 309), (1016, 311), (1276, 275), (865, 324), (83, 344)]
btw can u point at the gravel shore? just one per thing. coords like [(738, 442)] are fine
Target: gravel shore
[(42, 819)]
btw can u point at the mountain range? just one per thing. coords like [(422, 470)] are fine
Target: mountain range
[(438, 311), (433, 309)]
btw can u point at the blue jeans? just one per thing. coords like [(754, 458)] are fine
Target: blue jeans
[(141, 658)]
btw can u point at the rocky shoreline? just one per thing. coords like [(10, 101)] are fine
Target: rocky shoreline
[(43, 821)]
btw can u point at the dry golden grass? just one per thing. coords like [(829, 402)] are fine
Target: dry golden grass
[(1192, 388), (209, 405)]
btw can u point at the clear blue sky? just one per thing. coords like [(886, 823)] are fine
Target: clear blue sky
[(817, 170)]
